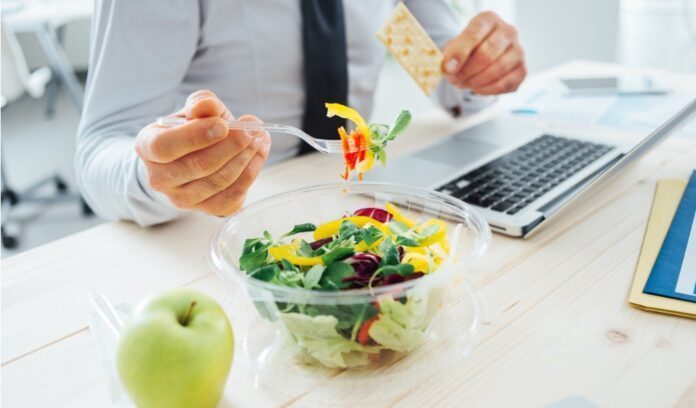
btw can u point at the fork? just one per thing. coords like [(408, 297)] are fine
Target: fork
[(322, 145)]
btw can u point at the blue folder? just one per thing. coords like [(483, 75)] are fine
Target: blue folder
[(669, 264)]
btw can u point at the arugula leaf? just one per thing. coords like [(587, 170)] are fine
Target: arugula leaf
[(398, 228), (401, 122), (313, 276), (267, 235), (371, 234), (406, 241), (266, 273), (428, 231), (287, 265), (379, 132), (291, 278), (250, 245), (347, 229), (401, 269), (305, 249), (254, 256), (307, 227), (337, 254), (390, 254), (332, 279), (381, 155)]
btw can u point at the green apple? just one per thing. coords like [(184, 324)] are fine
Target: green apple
[(176, 351)]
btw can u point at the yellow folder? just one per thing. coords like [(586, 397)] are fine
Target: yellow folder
[(667, 196)]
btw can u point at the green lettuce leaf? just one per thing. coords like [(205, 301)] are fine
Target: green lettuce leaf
[(318, 338), (401, 326)]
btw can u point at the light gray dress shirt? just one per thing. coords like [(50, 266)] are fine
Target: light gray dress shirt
[(147, 56)]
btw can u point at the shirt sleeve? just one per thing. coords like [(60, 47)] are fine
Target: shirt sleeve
[(140, 53), (440, 21)]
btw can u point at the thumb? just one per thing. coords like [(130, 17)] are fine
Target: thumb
[(205, 104)]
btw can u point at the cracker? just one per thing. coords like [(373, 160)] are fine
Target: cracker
[(413, 48)]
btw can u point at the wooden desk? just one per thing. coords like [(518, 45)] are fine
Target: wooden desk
[(558, 325)]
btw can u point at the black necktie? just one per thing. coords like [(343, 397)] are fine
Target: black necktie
[(325, 66)]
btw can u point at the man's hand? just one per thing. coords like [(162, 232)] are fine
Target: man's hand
[(203, 165), (486, 57)]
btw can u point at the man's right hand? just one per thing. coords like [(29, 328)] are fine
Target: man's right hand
[(202, 165)]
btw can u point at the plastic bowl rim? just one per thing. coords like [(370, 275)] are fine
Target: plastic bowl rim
[(352, 296)]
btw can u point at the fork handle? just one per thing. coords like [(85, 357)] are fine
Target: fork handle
[(171, 121)]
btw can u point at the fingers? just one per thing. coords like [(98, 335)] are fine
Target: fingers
[(202, 163), (224, 170), (488, 53), (457, 51), (488, 58), (231, 199), (200, 190), (205, 104), (165, 144), (508, 83), (512, 58)]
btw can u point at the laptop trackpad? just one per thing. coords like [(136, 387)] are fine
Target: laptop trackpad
[(458, 151), (410, 170), (432, 165)]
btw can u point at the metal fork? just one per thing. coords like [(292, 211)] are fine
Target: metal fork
[(322, 145)]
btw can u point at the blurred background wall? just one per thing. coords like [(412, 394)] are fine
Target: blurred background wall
[(656, 33)]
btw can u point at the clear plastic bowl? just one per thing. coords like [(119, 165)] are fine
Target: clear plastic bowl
[(299, 341)]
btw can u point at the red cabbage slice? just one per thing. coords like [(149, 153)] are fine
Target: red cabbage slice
[(376, 214), (393, 278), (319, 243), (364, 264), (414, 275)]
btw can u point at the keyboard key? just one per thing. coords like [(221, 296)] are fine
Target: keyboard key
[(502, 206), (486, 202), (461, 183), (473, 199)]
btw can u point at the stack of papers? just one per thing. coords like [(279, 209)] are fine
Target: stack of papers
[(665, 279), (637, 113)]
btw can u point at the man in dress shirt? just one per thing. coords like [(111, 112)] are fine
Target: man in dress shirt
[(151, 58)]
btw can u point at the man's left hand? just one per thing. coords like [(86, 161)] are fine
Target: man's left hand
[(486, 57)]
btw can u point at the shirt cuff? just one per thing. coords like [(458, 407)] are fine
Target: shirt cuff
[(149, 207), (458, 101)]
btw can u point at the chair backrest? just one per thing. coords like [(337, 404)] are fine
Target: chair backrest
[(15, 77)]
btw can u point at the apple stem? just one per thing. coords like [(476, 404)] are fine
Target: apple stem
[(187, 317)]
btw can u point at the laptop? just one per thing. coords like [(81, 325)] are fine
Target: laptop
[(517, 173)]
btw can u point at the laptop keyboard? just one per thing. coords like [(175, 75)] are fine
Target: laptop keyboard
[(511, 182)]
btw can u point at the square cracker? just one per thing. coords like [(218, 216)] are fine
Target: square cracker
[(413, 48)]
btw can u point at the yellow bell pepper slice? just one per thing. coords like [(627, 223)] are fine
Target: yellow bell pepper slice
[(342, 111), (420, 250), (330, 228), (288, 252), (436, 237), (391, 209), (445, 244), (420, 262), (365, 165)]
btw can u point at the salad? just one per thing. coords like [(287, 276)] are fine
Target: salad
[(366, 143), (370, 248)]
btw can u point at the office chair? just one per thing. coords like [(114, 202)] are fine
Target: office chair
[(16, 81)]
